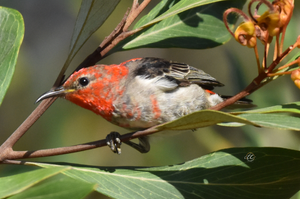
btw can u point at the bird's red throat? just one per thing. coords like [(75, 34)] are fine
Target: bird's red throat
[(100, 94)]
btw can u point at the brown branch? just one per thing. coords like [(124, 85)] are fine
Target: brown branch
[(247, 91), (132, 16), (255, 84), (12, 155), (137, 9)]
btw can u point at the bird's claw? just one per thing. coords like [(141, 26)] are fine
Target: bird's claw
[(114, 142)]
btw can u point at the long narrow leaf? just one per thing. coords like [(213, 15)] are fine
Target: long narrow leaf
[(199, 27), (11, 185), (11, 37)]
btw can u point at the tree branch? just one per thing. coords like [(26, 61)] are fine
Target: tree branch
[(12, 155)]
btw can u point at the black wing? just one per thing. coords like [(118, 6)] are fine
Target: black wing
[(183, 74)]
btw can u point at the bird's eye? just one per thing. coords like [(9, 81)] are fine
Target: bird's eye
[(84, 81)]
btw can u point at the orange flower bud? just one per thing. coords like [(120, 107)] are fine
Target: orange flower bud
[(270, 21), (295, 76), (262, 35), (285, 9), (298, 42), (297, 83), (245, 34)]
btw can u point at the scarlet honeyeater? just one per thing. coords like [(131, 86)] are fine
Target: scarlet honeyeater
[(140, 93)]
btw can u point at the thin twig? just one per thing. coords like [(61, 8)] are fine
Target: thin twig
[(285, 26), (279, 58), (257, 59), (98, 54), (137, 11), (266, 52), (236, 11), (276, 48)]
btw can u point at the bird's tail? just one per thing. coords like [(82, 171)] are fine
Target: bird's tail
[(242, 103)]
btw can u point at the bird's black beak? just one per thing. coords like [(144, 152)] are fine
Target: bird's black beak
[(60, 91)]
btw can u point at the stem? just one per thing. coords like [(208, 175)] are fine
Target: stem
[(276, 48), (285, 26), (279, 58), (255, 12), (257, 59), (287, 65), (267, 3), (237, 11), (136, 9), (266, 52), (247, 91), (281, 73)]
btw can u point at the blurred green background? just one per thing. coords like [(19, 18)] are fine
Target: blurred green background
[(48, 29)]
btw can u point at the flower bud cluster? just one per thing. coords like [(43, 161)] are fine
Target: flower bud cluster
[(263, 27), (271, 23)]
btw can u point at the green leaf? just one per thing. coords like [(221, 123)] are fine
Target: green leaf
[(265, 117), (11, 185), (62, 187), (160, 8), (267, 173), (200, 26), (283, 122), (11, 37), (271, 117), (201, 119), (179, 7), (284, 108)]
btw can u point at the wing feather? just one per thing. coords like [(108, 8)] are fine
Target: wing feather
[(179, 73)]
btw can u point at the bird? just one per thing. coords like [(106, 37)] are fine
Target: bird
[(139, 93)]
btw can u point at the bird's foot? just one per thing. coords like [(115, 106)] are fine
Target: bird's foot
[(114, 142), (142, 147)]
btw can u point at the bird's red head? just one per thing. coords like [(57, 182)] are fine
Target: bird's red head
[(95, 88)]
